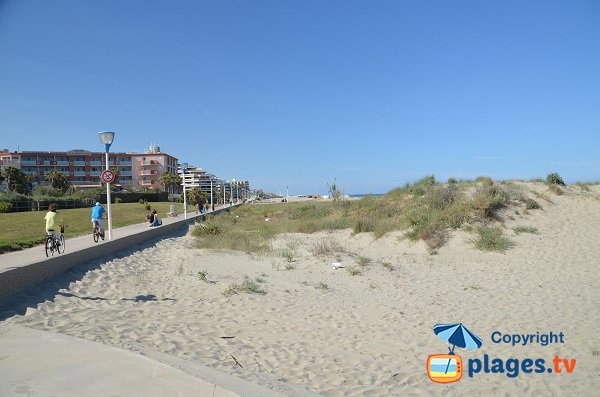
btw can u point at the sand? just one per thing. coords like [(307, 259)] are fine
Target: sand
[(359, 335)]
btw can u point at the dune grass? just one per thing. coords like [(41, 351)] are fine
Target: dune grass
[(26, 229), (491, 239), (425, 210)]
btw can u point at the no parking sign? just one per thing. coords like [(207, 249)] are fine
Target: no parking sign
[(107, 176)]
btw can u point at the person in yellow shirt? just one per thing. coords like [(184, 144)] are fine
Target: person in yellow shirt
[(53, 221)]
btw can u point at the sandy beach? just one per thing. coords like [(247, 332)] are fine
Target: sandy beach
[(367, 334)]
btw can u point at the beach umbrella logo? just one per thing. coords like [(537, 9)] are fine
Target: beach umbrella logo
[(447, 368)]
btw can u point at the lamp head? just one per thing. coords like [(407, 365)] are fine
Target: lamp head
[(106, 137)]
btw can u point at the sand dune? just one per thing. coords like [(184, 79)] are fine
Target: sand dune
[(362, 335)]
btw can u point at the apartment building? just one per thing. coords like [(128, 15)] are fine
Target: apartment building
[(198, 178), (83, 168)]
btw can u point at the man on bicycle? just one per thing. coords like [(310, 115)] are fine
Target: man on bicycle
[(53, 220), (97, 216)]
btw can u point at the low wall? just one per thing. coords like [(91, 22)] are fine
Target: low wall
[(21, 277)]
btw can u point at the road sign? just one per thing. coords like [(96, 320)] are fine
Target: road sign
[(107, 176)]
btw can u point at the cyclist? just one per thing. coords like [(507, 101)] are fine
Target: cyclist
[(53, 221), (97, 216)]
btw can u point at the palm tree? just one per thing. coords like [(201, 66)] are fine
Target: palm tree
[(196, 195), (117, 174), (58, 180), (170, 181)]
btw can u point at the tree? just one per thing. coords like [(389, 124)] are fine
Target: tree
[(17, 180), (117, 174), (195, 195), (58, 180), (170, 181)]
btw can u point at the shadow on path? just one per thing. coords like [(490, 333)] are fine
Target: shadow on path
[(18, 303)]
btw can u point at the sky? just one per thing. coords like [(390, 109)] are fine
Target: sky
[(298, 94)]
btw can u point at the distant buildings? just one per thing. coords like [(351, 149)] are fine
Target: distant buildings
[(135, 170), (222, 190), (83, 167)]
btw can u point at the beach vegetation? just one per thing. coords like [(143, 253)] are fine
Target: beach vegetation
[(363, 261), (554, 189), (583, 186), (525, 229), (531, 204), (322, 285), (484, 180), (554, 179), (203, 276), (387, 266), (354, 270), (425, 210), (247, 286), (288, 254), (491, 239), (326, 248), (334, 191)]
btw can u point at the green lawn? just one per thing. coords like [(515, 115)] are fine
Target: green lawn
[(25, 229)]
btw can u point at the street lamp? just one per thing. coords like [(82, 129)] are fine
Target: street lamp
[(211, 193), (107, 138), (183, 171)]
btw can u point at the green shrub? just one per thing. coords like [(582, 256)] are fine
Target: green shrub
[(148, 207), (206, 229), (118, 200), (531, 204), (440, 197), (491, 239), (484, 180), (363, 260), (452, 181), (354, 271), (525, 229), (5, 207), (554, 179), (46, 191), (488, 199), (363, 225), (247, 286)]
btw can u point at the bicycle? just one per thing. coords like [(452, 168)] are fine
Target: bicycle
[(55, 244), (97, 234)]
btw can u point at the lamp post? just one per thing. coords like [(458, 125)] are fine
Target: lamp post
[(211, 193), (183, 171), (231, 192), (107, 138)]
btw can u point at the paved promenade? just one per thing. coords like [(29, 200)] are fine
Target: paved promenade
[(22, 269)]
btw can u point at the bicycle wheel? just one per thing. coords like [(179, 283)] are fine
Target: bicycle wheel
[(47, 246), (60, 244), (51, 246), (96, 235)]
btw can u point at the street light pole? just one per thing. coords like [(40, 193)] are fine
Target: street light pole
[(211, 193), (107, 139), (183, 171)]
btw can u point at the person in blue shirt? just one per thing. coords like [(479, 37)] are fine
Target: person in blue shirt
[(98, 216)]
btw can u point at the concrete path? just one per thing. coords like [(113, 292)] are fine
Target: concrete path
[(25, 268), (39, 363)]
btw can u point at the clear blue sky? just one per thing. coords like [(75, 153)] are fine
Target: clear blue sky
[(297, 93)]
